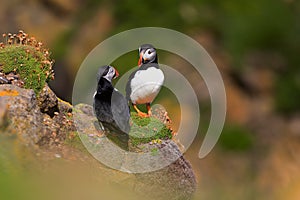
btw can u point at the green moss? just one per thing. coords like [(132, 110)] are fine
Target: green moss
[(144, 130), (29, 63), (26, 57), (154, 151)]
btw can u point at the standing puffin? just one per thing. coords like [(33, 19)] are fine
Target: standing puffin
[(111, 107), (144, 84)]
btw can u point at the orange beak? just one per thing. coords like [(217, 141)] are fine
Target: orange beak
[(140, 60), (116, 74)]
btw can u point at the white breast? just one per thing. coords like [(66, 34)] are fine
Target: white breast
[(145, 85)]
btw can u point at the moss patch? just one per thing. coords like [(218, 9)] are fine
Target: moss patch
[(28, 58), (144, 130)]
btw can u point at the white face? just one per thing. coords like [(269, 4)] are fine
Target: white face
[(149, 54), (110, 74)]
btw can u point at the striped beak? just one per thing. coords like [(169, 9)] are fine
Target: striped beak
[(141, 59), (116, 74)]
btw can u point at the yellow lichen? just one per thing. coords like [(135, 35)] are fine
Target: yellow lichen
[(9, 93)]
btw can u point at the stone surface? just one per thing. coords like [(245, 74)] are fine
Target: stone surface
[(21, 113), (48, 101), (174, 181)]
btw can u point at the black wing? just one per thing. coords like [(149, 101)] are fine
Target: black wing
[(120, 111), (128, 88), (102, 108)]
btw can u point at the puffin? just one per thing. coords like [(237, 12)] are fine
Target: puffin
[(111, 107), (145, 83)]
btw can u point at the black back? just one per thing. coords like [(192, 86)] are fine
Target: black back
[(110, 106), (111, 109)]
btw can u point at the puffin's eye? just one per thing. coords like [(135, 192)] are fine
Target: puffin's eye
[(149, 52), (106, 71)]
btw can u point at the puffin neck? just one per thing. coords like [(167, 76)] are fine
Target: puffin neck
[(147, 65), (104, 86)]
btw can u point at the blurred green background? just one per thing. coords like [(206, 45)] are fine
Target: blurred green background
[(255, 44)]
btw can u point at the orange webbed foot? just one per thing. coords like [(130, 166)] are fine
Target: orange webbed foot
[(141, 114)]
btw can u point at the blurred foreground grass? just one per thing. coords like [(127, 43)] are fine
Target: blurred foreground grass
[(30, 175)]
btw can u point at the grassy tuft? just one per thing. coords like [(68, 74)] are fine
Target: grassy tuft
[(144, 130), (28, 58)]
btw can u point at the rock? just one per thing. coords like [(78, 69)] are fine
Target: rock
[(3, 115), (35, 122), (3, 80), (47, 101), (177, 181), (23, 113), (11, 78), (174, 181), (85, 109), (64, 106)]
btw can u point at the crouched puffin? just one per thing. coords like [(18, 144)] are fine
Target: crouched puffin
[(111, 107), (145, 83)]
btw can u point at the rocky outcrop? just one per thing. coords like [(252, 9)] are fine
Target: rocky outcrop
[(174, 181), (48, 122), (36, 121)]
